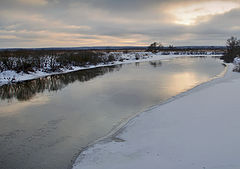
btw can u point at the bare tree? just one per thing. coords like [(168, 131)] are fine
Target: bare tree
[(155, 47), (233, 50)]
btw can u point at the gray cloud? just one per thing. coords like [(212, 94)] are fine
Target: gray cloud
[(24, 23)]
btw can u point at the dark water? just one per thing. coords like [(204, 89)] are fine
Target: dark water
[(45, 122)]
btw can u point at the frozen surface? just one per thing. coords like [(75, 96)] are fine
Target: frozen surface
[(197, 131), (12, 76)]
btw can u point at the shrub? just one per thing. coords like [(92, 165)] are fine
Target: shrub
[(137, 56), (155, 47), (111, 58), (48, 60), (233, 50)]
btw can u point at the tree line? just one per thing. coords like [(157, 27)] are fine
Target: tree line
[(49, 60), (232, 49)]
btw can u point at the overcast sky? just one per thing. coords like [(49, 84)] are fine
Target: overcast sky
[(62, 23)]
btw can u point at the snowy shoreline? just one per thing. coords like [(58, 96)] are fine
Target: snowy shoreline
[(182, 133), (7, 76)]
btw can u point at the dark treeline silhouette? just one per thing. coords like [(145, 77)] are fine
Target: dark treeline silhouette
[(26, 90), (188, 50), (53, 60)]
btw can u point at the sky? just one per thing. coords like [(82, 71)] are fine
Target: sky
[(72, 23)]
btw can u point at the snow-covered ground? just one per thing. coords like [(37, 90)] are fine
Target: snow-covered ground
[(198, 130), (12, 76)]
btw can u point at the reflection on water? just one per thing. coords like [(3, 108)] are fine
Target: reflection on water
[(155, 63), (40, 128), (14, 106), (26, 90), (181, 80)]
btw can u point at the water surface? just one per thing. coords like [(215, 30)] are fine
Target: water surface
[(44, 123)]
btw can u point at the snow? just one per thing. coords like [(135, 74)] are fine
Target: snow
[(198, 129), (236, 61), (12, 76)]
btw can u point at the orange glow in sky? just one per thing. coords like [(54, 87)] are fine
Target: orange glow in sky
[(194, 13)]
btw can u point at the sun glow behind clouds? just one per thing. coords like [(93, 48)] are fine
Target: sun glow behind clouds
[(191, 14)]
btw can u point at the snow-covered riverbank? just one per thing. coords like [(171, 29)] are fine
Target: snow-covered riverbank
[(12, 76), (199, 130)]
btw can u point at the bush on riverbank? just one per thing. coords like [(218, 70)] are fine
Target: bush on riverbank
[(233, 50), (49, 61)]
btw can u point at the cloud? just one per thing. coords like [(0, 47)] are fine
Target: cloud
[(198, 12), (112, 22), (34, 2)]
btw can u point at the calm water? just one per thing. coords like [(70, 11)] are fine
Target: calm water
[(45, 122)]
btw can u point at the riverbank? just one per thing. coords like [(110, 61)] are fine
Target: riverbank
[(13, 77), (198, 130)]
